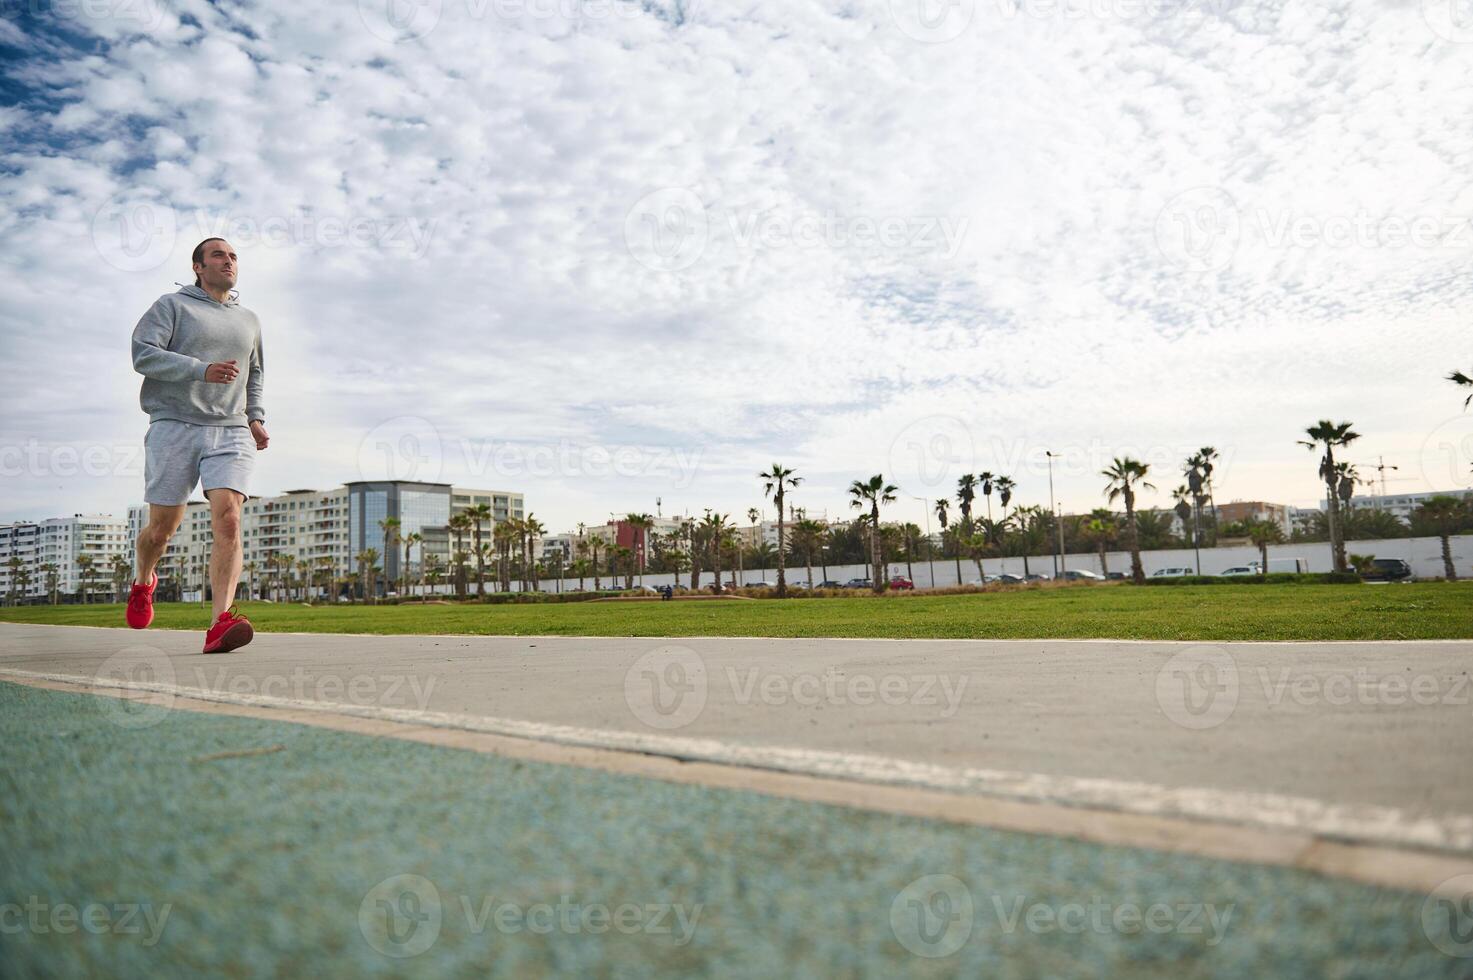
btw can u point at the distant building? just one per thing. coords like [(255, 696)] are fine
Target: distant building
[(1255, 510), (1400, 504)]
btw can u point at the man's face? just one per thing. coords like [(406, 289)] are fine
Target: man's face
[(220, 265)]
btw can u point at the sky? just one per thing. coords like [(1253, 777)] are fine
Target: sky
[(622, 256)]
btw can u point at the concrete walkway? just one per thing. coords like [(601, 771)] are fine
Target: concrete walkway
[(1350, 741)]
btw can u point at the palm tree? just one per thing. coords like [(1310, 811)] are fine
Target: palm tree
[(984, 483), (966, 492), (1204, 460), (1101, 531), (1463, 381), (1443, 516), (250, 568), (410, 540), (15, 564), (324, 570), (367, 567), (1263, 534), (715, 527), (53, 578), (23, 577), (480, 512), (806, 535), (1329, 434), (593, 542), (942, 503), (872, 493), (643, 524), (1125, 475), (1005, 488), (776, 482), (390, 526), (432, 570), (84, 573), (458, 526)]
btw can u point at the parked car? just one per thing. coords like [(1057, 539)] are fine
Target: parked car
[(1173, 572), (830, 584), (1116, 576), (1038, 577), (1080, 575), (1388, 570), (901, 582), (1008, 578), (1239, 570), (761, 584), (859, 583)]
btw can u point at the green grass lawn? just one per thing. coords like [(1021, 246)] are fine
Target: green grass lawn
[(1424, 610)]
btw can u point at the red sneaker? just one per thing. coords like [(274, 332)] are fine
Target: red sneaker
[(229, 632), (140, 603)]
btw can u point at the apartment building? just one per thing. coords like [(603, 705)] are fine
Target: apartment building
[(61, 542), (1401, 504)]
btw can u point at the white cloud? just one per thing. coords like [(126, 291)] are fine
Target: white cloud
[(1100, 233)]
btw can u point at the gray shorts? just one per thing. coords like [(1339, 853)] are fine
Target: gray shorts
[(177, 455)]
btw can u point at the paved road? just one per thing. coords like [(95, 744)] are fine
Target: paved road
[(1365, 741)]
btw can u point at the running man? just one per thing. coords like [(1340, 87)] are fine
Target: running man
[(205, 426)]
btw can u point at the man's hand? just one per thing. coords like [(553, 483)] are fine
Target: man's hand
[(258, 431), (222, 372)]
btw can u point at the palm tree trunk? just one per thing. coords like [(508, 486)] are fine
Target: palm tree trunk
[(874, 549), (1137, 571), (1448, 571)]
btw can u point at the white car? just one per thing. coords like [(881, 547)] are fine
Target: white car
[(1239, 570), (1172, 572)]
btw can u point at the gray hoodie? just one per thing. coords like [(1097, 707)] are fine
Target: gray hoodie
[(177, 340)]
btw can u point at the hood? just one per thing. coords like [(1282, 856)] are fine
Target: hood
[(198, 293)]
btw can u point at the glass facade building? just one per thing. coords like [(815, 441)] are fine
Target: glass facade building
[(422, 508)]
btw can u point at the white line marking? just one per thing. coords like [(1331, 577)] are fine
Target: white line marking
[(1353, 822)]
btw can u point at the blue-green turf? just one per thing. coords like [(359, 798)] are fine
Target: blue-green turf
[(264, 863)]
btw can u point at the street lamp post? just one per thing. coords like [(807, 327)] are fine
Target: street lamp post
[(1058, 518), (930, 552)]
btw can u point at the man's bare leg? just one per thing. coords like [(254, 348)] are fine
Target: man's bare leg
[(225, 551), (163, 521)]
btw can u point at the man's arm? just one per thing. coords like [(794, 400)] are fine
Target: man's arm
[(151, 355), (255, 384)]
